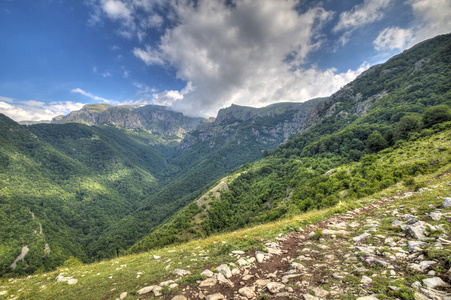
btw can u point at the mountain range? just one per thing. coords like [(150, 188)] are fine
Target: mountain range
[(108, 180)]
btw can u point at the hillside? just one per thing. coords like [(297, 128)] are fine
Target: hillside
[(93, 191), (391, 244), (379, 111), (62, 186)]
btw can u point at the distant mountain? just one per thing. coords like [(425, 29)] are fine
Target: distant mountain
[(268, 126), (157, 119)]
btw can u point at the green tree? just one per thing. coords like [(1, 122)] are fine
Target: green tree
[(436, 114), (407, 125), (376, 142)]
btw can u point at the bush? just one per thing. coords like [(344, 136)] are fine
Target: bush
[(407, 125), (436, 114)]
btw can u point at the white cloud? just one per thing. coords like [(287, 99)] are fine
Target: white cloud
[(32, 110), (106, 74), (368, 12), (87, 94), (149, 56), (393, 38), (248, 54), (433, 17), (6, 99), (116, 9)]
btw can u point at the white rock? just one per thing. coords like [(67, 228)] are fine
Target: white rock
[(207, 273), (247, 292), (322, 293), (275, 287), (235, 271), (367, 298), (435, 282), (123, 295), (436, 215), (222, 279), (446, 202), (286, 278), (361, 237), (2, 293), (165, 283), (242, 262), (259, 256), (238, 252), (309, 297), (224, 270), (426, 264), (366, 280), (413, 245), (179, 297), (262, 282), (181, 272), (217, 296), (72, 281), (146, 289), (208, 282)]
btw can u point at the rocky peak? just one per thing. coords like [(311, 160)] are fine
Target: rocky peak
[(157, 119)]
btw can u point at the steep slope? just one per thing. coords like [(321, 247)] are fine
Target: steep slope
[(357, 248), (157, 119), (238, 135), (379, 110), (62, 186)]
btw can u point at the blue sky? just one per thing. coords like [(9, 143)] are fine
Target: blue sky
[(197, 56)]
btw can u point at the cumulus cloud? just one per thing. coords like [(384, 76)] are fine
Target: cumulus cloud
[(367, 12), (432, 17), (362, 14), (87, 94), (32, 110), (116, 9), (393, 38), (251, 54)]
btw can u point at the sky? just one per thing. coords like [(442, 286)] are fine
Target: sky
[(197, 56)]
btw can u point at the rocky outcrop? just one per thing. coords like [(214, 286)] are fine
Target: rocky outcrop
[(270, 125), (156, 119)]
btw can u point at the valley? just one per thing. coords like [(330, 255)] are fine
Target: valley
[(114, 199)]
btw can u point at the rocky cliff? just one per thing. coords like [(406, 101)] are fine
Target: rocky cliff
[(270, 125), (157, 119)]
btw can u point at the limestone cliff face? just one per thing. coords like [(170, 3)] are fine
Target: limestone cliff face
[(270, 125), (157, 119)]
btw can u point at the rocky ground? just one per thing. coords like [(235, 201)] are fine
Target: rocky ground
[(396, 248)]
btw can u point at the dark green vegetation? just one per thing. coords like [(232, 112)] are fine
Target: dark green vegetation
[(96, 191), (405, 99)]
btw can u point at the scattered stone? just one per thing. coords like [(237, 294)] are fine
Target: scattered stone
[(238, 252), (361, 237), (309, 297), (209, 282), (123, 295), (262, 282), (426, 264), (2, 293), (446, 202), (275, 287), (436, 215), (242, 262), (217, 296), (417, 230), (286, 278), (322, 293), (179, 297), (260, 256), (414, 245), (247, 292), (435, 282), (181, 272), (367, 298), (224, 270), (366, 280), (147, 289), (207, 273)]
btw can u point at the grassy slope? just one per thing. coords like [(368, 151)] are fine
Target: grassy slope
[(94, 280)]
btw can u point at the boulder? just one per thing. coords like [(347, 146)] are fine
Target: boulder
[(217, 296), (435, 282), (247, 292), (275, 287), (224, 270)]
